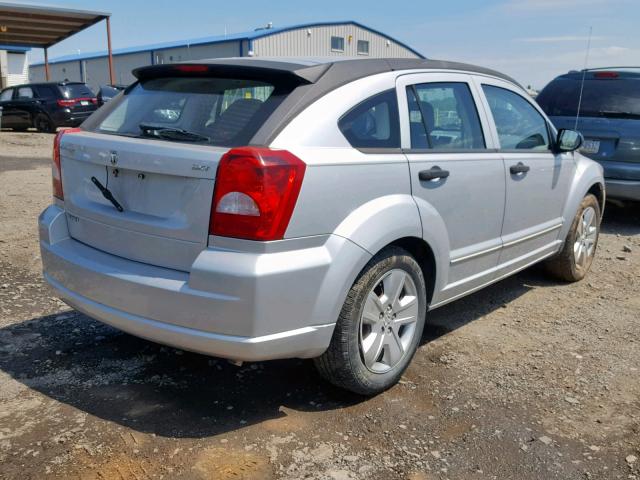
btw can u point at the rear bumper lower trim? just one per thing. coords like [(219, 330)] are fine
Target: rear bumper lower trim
[(305, 342), (623, 189)]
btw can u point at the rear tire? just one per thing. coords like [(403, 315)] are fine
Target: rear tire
[(575, 259), (379, 327), (43, 123)]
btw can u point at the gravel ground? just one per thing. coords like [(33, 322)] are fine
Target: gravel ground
[(528, 379)]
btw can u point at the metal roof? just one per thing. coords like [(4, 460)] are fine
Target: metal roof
[(31, 25), (251, 35)]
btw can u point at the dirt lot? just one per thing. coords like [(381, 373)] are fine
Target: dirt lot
[(528, 379)]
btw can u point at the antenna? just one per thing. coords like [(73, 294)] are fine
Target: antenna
[(584, 74)]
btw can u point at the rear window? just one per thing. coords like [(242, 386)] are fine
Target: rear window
[(600, 97), (217, 111), (78, 90)]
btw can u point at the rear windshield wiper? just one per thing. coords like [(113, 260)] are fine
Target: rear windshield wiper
[(171, 133), (106, 193)]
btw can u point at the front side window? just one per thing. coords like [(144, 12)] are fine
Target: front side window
[(443, 116), (217, 111), (337, 44), (520, 126), (363, 47), (6, 95), (373, 123), (25, 92)]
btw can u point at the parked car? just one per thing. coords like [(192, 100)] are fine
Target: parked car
[(46, 106), (256, 209), (107, 92), (609, 120)]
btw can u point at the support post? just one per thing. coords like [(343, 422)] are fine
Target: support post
[(111, 73), (46, 64)]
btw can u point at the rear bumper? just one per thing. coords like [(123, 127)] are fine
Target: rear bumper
[(237, 305), (623, 189), (67, 118)]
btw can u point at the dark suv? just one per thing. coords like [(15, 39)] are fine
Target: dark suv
[(609, 120), (46, 106)]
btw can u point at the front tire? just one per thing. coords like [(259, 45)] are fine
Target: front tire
[(575, 259), (379, 327)]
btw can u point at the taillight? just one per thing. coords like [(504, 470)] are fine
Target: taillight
[(255, 193), (72, 102), (66, 103), (56, 168)]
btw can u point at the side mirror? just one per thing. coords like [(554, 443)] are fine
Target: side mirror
[(568, 140)]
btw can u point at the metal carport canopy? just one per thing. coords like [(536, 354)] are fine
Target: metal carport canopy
[(32, 25)]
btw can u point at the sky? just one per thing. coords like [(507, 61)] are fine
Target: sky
[(531, 40)]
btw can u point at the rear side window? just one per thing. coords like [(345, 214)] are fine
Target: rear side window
[(520, 126), (443, 116), (220, 111), (373, 123), (25, 92), (6, 95), (610, 97), (76, 90), (46, 91)]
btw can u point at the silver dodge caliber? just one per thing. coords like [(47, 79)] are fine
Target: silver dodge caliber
[(256, 209)]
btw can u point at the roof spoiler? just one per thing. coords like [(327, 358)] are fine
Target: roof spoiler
[(256, 70)]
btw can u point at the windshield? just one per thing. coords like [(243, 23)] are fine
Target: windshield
[(217, 111), (76, 90), (609, 98)]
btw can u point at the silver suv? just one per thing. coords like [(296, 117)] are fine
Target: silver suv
[(256, 209)]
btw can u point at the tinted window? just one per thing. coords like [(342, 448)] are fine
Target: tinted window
[(520, 126), (226, 111), (25, 92), (600, 97), (443, 116), (373, 123), (76, 90), (6, 95), (337, 43), (363, 47), (46, 91)]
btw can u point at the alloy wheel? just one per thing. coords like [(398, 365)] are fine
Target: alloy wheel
[(586, 237), (388, 321)]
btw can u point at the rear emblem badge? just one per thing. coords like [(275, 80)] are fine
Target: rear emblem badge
[(200, 168), (114, 158)]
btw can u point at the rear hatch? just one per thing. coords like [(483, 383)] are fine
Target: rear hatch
[(78, 98), (156, 149), (609, 116)]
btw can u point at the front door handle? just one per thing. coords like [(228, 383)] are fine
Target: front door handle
[(434, 173), (519, 168)]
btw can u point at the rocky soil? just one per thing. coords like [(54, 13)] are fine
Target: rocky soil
[(528, 379)]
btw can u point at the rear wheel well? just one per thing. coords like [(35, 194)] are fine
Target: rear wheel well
[(421, 251), (597, 190)]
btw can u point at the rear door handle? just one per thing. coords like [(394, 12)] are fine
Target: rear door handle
[(434, 173), (519, 168)]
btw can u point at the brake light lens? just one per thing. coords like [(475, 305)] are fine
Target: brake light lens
[(56, 167), (191, 68), (255, 194), (606, 75)]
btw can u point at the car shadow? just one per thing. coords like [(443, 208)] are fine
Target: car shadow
[(156, 389), (622, 219), (152, 388)]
